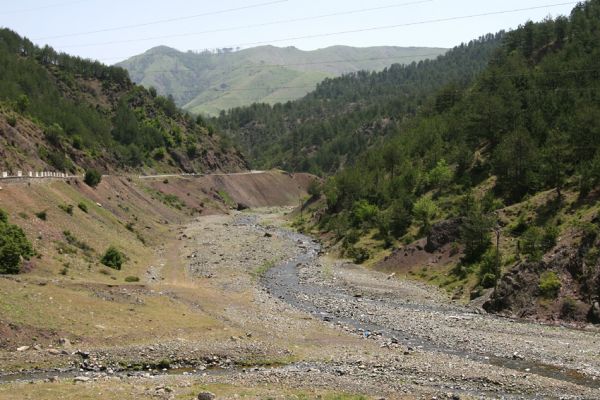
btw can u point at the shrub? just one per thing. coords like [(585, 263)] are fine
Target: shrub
[(83, 207), (113, 258), (537, 241), (12, 120), (68, 208), (132, 279), (363, 214), (92, 177), (315, 188), (488, 281), (424, 211), (568, 309), (14, 246), (489, 269), (359, 255), (41, 215), (73, 241), (549, 285)]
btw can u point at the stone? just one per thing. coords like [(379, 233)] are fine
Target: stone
[(23, 348), (53, 352), (443, 233), (82, 379), (206, 396)]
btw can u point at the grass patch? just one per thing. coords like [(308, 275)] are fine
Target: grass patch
[(227, 199), (170, 200), (262, 270)]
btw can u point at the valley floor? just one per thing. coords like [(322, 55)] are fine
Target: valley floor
[(270, 315)]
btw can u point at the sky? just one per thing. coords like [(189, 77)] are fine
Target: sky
[(114, 30)]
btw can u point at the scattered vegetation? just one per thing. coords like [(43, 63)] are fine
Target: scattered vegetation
[(42, 215), (68, 208)]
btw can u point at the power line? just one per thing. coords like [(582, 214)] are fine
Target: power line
[(162, 21), (287, 21), (431, 21), (385, 27), (27, 10)]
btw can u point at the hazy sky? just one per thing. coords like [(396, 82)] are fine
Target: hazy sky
[(112, 30)]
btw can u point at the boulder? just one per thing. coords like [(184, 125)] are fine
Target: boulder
[(206, 396), (443, 233)]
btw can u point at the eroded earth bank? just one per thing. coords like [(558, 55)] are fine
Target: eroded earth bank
[(283, 319)]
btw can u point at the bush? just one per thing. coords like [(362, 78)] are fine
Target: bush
[(537, 241), (83, 207), (488, 281), (12, 120), (92, 178), (549, 285), (132, 279), (489, 269), (14, 246), (363, 214), (113, 258), (568, 309), (315, 188), (68, 208), (359, 255), (424, 211), (41, 215)]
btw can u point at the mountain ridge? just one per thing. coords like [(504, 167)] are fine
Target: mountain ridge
[(209, 82)]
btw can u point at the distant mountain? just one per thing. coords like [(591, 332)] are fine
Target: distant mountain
[(210, 82)]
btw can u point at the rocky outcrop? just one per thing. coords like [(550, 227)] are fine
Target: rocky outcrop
[(443, 233), (518, 292)]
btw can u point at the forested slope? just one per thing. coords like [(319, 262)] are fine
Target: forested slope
[(343, 116), (491, 187), (63, 112)]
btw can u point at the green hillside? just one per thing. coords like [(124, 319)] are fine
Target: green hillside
[(67, 113), (208, 83), (494, 183), (346, 115)]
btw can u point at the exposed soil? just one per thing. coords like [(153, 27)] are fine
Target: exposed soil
[(297, 323)]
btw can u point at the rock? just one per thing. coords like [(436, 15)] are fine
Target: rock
[(594, 313), (443, 233), (23, 348), (53, 352), (37, 347), (82, 379), (206, 396), (64, 342)]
